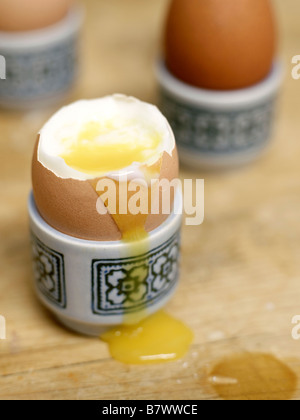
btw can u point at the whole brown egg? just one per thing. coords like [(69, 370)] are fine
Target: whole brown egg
[(26, 15), (220, 44)]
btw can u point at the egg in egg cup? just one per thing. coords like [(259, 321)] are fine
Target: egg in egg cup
[(219, 80), (96, 269), (41, 62)]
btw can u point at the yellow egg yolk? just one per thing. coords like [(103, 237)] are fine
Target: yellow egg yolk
[(159, 338), (100, 149)]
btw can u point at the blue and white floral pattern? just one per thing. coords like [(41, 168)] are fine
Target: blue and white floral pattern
[(49, 273), (129, 284), (218, 132), (37, 74)]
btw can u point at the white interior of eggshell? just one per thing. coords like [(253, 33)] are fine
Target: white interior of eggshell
[(69, 121)]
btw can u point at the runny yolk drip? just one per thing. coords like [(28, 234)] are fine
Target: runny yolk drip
[(136, 239), (157, 339), (101, 149)]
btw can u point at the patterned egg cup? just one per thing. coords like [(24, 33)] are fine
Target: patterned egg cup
[(219, 129), (90, 286), (41, 65)]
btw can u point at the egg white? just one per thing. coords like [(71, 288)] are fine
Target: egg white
[(69, 121)]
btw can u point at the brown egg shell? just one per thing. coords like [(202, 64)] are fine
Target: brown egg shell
[(20, 15), (222, 45), (69, 205)]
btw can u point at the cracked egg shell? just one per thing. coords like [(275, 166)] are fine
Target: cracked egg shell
[(70, 205)]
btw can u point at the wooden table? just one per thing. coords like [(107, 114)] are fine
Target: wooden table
[(240, 284)]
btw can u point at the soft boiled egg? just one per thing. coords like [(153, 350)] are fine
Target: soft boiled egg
[(117, 138), (219, 44), (26, 15), (123, 140)]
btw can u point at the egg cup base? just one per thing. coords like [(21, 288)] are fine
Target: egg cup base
[(81, 327), (211, 162), (90, 286), (219, 129), (42, 103)]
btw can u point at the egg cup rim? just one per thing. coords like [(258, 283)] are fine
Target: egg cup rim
[(49, 35), (219, 99), (171, 223)]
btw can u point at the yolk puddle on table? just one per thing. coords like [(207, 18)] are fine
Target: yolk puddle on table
[(101, 149), (157, 339), (253, 376)]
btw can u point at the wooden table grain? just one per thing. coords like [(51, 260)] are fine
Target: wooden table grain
[(240, 283)]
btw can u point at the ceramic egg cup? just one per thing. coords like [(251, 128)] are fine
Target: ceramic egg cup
[(90, 286), (219, 129), (41, 65)]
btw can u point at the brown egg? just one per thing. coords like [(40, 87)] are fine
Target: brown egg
[(26, 15), (220, 44), (69, 205)]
